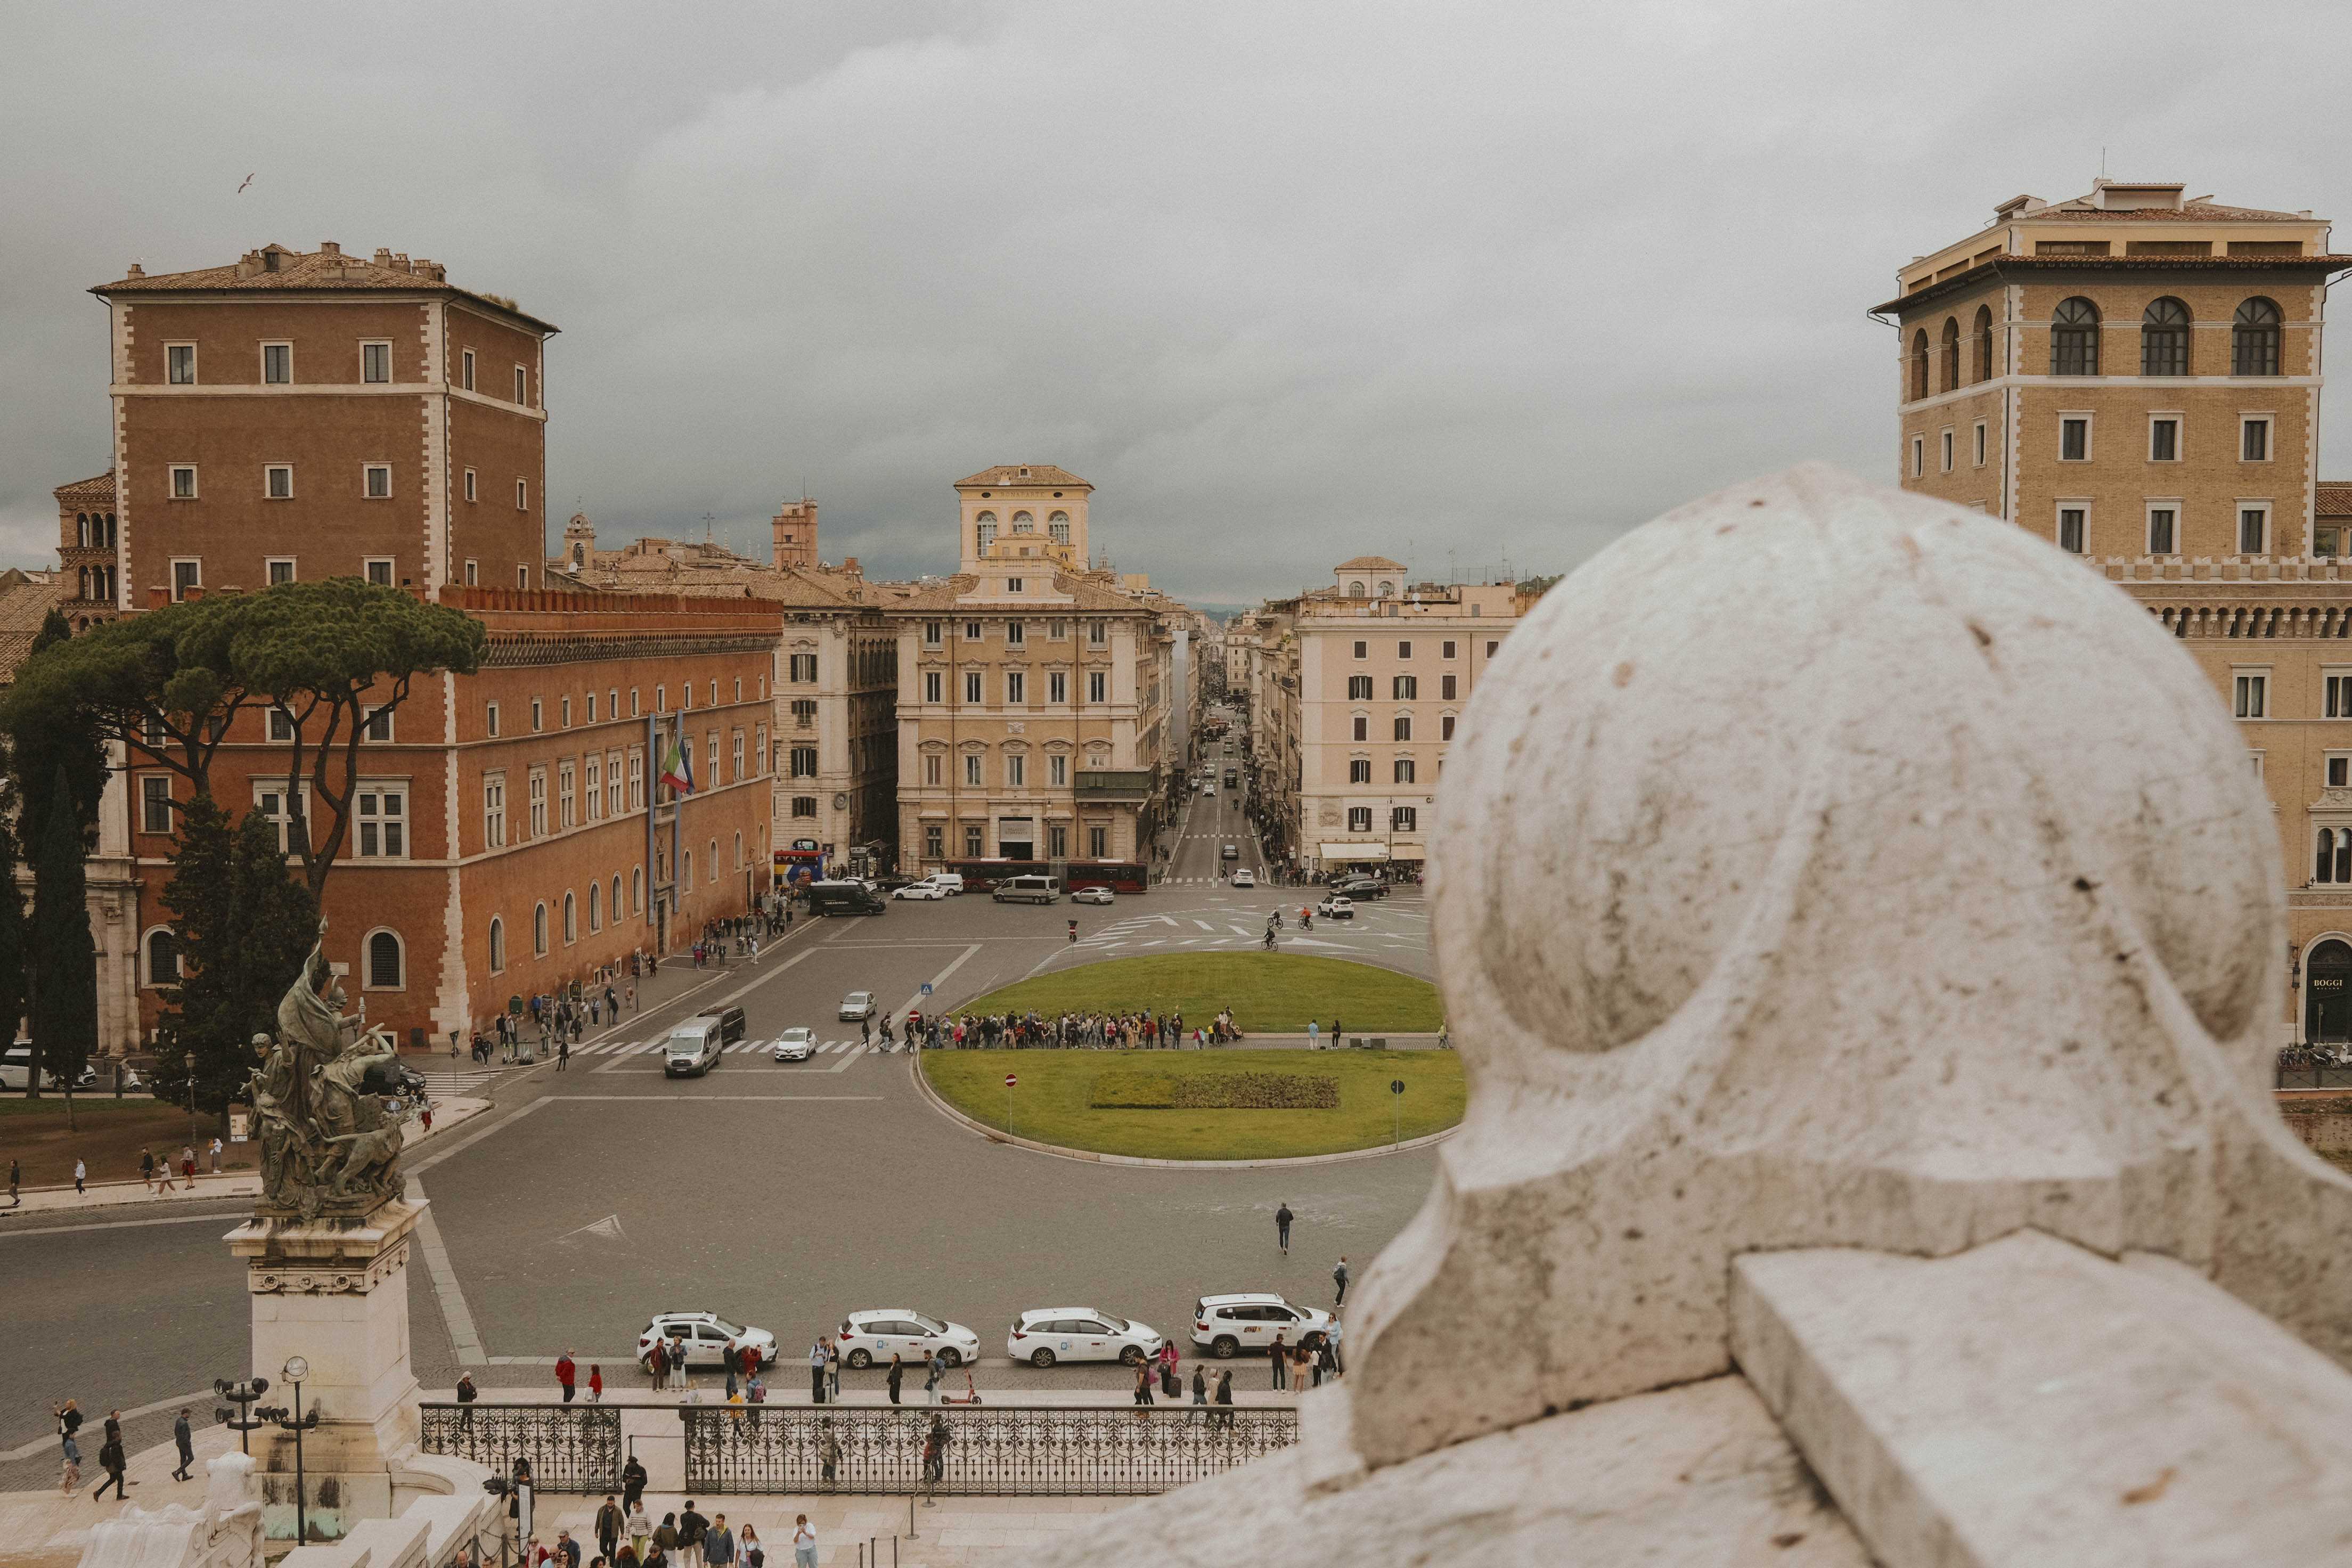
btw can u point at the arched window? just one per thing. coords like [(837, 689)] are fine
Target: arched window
[(571, 920), (1023, 524), (739, 852), (1951, 353), (638, 890), (386, 968), (1387, 589), (617, 905), (82, 528), (987, 521), (686, 875), (1919, 364), (595, 906), (711, 860), (2074, 338), (497, 945), (111, 539), (2163, 337), (1355, 590), (1059, 527), (2255, 339), (163, 957), (538, 930)]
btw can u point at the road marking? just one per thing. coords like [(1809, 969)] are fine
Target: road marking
[(930, 992), (455, 1314), (855, 1052), (1205, 925), (706, 1098), (130, 1224), (460, 1147)]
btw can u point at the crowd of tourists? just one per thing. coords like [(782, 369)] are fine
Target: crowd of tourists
[(1141, 1031)]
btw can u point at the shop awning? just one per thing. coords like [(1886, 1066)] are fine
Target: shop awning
[(1355, 851)]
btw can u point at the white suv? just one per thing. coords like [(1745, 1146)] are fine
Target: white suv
[(1043, 1335), (1225, 1326), (870, 1339)]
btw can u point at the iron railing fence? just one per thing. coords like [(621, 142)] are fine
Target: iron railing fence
[(2297, 1069), (572, 1447), (1019, 1450)]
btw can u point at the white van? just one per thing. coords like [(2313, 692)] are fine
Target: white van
[(950, 880), (1027, 890), (692, 1048)]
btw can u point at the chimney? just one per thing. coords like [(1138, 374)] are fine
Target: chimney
[(383, 256), (137, 270), (328, 247), (850, 568)]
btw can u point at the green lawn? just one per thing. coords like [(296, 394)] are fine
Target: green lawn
[(1269, 993), (1050, 1103)]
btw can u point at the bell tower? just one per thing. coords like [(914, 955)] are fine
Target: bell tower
[(794, 527)]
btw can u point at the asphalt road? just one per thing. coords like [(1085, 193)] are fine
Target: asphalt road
[(782, 1195)]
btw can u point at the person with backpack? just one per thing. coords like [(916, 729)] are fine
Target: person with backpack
[(1339, 1279)]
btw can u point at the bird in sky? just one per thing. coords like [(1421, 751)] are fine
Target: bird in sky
[(248, 180)]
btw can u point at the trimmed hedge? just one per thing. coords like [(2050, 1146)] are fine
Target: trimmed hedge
[(1215, 1092)]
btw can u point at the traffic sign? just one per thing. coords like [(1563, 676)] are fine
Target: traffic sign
[(1010, 1081), (1396, 1086), (926, 988)]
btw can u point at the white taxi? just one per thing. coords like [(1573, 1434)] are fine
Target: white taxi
[(1225, 1326), (795, 1045), (1043, 1335), (869, 1338), (703, 1337), (1245, 877)]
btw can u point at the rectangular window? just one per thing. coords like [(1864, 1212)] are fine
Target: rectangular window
[(377, 725), (1404, 770), (1445, 728), (1097, 632), (1360, 770), (975, 840), (805, 806), (2338, 690), (1948, 451), (277, 482), (376, 364), (971, 769), (802, 670), (566, 796), (1447, 688), (1057, 687), (1980, 443), (2254, 529), (972, 687), (1363, 650), (563, 713), (378, 571), (1918, 455), (2074, 440), (470, 488), (1404, 819), (2339, 770), (276, 364), (1359, 819), (612, 806), (1017, 772), (155, 803), (494, 811), (2251, 694), (1016, 687), (803, 762), (270, 804), (2255, 440), (1057, 631), (187, 577), (1403, 727), (1491, 647), (1359, 689), (183, 482), (281, 724), (491, 715), (538, 787), (935, 841), (375, 482), (382, 816), (1097, 685), (538, 716), (1404, 687), (180, 363), (2162, 533), (931, 630), (1057, 770), (933, 684), (1098, 843), (466, 369), (736, 755), (971, 631), (636, 778), (1404, 650), (522, 495), (2070, 528), (592, 786), (1057, 841), (931, 771), (2164, 439), (1362, 725), (522, 386)]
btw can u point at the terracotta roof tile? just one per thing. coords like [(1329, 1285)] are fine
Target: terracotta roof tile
[(2334, 498), (24, 604), (2079, 210), (1025, 474), (330, 271), (97, 488), (1370, 564)]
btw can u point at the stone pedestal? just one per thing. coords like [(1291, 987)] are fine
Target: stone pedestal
[(335, 1293)]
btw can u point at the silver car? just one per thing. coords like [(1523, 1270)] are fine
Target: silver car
[(857, 1005)]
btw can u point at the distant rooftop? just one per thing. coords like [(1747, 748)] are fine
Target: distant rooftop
[(325, 270), (1025, 474)]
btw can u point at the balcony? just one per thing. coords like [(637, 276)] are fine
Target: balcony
[(1123, 786)]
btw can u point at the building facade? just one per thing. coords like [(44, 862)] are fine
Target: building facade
[(89, 570), (2135, 375), (1034, 694)]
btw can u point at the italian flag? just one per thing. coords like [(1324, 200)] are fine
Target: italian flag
[(678, 768)]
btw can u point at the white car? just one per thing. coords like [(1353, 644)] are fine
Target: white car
[(1094, 896), (1337, 908), (1043, 1335), (1225, 1326), (704, 1337), (795, 1045), (1245, 877), (857, 1005), (921, 890), (868, 1338)]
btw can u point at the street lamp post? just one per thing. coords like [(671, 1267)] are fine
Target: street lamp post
[(241, 1394), (298, 1422)]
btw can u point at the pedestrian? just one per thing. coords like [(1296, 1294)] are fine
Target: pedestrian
[(466, 1394), (188, 1166), (1331, 1338), (609, 1521), (633, 1496), (935, 1450), (748, 1547), (938, 1369), (817, 1358), (596, 1387), (657, 1363), (146, 1168), (1282, 1217), (898, 1376), (216, 1156), (666, 1537), (832, 1374), (110, 1460), (1143, 1385), (829, 1451), (1339, 1279), (1279, 1357), (1200, 1389), (719, 1544), (691, 1529), (562, 1052), (1325, 1362), (185, 1438), (803, 1536), (567, 1551), (566, 1374), (16, 1175), (1226, 1395)]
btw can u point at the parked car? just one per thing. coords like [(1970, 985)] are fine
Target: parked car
[(693, 1048), (919, 890), (1224, 1326), (867, 1338), (704, 1337), (1043, 1335), (857, 1005), (1338, 907), (1245, 877), (1094, 896)]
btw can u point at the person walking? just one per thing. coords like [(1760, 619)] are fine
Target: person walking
[(937, 1369), (832, 1374), (1143, 1385), (185, 1438), (666, 1537), (16, 1175), (595, 1386), (562, 1051), (566, 1375), (1278, 1357), (748, 1547), (609, 1521), (692, 1529), (1282, 1217), (80, 1171), (817, 1358), (110, 1458), (804, 1535), (657, 1363), (898, 1377), (1225, 1397), (1200, 1390), (719, 1544), (633, 1496), (1339, 1279), (216, 1156)]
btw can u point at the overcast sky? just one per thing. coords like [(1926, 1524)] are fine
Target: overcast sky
[(1459, 283)]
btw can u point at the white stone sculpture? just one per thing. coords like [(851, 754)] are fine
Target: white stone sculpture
[(225, 1532), (1820, 867)]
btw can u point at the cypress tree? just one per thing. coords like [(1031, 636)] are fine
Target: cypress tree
[(65, 960), (243, 926), (12, 948)]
